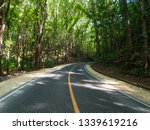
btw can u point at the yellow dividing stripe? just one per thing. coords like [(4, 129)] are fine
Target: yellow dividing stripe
[(75, 106)]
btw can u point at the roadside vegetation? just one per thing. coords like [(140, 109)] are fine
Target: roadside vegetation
[(42, 33)]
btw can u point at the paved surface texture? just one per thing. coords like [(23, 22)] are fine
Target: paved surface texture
[(66, 90)]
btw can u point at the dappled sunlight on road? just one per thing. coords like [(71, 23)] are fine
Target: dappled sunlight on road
[(110, 82), (38, 106), (75, 73), (118, 103), (50, 92), (18, 93), (54, 76), (80, 70), (102, 87), (102, 94), (90, 81), (40, 82), (2, 104)]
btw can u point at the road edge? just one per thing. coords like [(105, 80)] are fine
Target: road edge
[(25, 78), (100, 76)]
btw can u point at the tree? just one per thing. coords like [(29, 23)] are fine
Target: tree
[(41, 16), (2, 27), (126, 23), (144, 32), (41, 33)]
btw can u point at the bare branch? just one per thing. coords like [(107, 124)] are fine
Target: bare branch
[(3, 4)]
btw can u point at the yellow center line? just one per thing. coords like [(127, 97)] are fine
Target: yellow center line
[(75, 106)]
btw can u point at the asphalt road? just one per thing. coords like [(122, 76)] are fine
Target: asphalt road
[(68, 90)]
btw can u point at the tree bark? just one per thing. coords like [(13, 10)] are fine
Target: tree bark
[(97, 40), (127, 23), (7, 34), (149, 2), (40, 24), (144, 31), (135, 28), (18, 41), (2, 27)]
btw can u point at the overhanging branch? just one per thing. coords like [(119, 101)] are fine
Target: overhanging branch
[(3, 4)]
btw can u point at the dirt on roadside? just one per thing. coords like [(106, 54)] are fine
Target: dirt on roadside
[(128, 84), (115, 72), (9, 83)]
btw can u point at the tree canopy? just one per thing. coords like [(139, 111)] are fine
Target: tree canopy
[(41, 33)]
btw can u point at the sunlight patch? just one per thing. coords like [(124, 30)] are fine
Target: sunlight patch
[(18, 93), (110, 82), (119, 104), (2, 105), (76, 73), (80, 70), (38, 106), (53, 76), (99, 87), (91, 81), (42, 83)]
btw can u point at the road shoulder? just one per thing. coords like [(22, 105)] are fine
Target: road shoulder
[(133, 90), (17, 81)]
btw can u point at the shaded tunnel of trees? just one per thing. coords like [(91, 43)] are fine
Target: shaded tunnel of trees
[(41, 33)]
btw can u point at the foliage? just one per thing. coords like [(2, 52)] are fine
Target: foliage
[(52, 32)]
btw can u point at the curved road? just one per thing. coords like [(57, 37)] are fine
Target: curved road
[(67, 90)]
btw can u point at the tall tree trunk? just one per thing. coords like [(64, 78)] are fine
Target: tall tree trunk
[(8, 29), (97, 41), (149, 2), (68, 48), (31, 61), (37, 56), (112, 28), (23, 58), (18, 41), (144, 31), (135, 28), (3, 17), (127, 23), (2, 27), (1, 42), (40, 24), (48, 50)]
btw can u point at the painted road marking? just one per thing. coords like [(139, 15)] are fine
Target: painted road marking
[(74, 102), (18, 89), (129, 96), (29, 82)]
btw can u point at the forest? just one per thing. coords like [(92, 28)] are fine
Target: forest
[(42, 33)]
